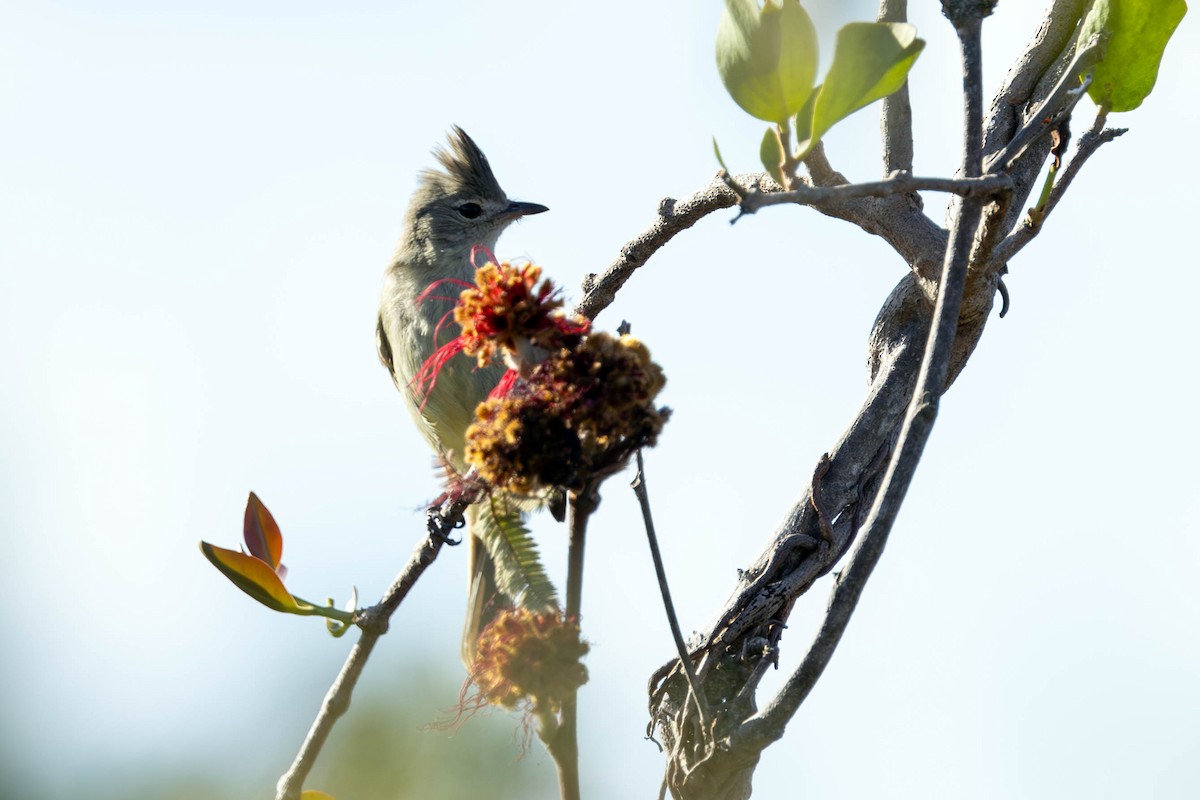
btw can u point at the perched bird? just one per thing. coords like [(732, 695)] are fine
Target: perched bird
[(453, 210)]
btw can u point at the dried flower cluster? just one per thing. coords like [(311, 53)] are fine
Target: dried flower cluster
[(507, 314), (571, 407), (581, 411), (527, 655)]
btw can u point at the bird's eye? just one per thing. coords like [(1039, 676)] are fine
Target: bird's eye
[(470, 210)]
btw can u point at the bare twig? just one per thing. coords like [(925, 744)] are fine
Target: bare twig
[(1054, 109), (1088, 144), (374, 623), (674, 216), (880, 208), (643, 496), (1036, 74), (919, 240), (564, 743), (898, 183), (896, 121)]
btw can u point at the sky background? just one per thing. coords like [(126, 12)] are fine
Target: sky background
[(197, 201)]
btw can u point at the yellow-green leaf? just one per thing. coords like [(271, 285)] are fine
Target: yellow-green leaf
[(767, 57), (261, 532), (871, 60), (1137, 34), (254, 577), (717, 150), (313, 794), (771, 155)]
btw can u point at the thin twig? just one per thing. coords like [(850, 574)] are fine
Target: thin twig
[(1054, 109), (643, 496), (374, 622), (899, 183), (674, 216), (896, 120), (768, 725), (1088, 144), (914, 236), (564, 744)]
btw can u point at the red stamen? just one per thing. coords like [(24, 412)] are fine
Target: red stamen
[(438, 329), (507, 381), (426, 377), (479, 250), (423, 296)]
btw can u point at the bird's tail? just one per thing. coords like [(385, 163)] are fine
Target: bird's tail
[(504, 569), (483, 595)]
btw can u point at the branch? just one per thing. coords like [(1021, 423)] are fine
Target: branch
[(1054, 109), (1089, 143), (564, 743), (768, 726), (896, 121), (643, 496), (674, 216), (1035, 77), (897, 218), (897, 183), (374, 623), (882, 208), (1047, 45)]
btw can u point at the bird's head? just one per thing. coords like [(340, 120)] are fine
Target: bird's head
[(461, 205)]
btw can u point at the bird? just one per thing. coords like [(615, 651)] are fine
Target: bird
[(455, 209)]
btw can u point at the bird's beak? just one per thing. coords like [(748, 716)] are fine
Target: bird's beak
[(517, 209)]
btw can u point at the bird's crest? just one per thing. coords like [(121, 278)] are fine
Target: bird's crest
[(466, 167)]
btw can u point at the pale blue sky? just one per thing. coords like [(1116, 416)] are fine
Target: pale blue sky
[(197, 201)]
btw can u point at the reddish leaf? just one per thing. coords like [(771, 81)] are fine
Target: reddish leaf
[(261, 532), (254, 577)]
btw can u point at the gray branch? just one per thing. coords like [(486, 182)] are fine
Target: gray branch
[(374, 623), (897, 183), (883, 208), (674, 216), (1088, 144), (934, 374), (858, 489), (896, 121)]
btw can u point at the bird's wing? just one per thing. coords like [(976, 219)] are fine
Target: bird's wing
[(383, 347)]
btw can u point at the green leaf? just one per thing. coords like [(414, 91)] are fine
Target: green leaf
[(767, 57), (256, 578), (871, 60), (313, 794), (1138, 32), (519, 570), (261, 532), (803, 121), (771, 155), (717, 150)]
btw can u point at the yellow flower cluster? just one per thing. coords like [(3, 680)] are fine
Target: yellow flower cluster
[(523, 654)]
